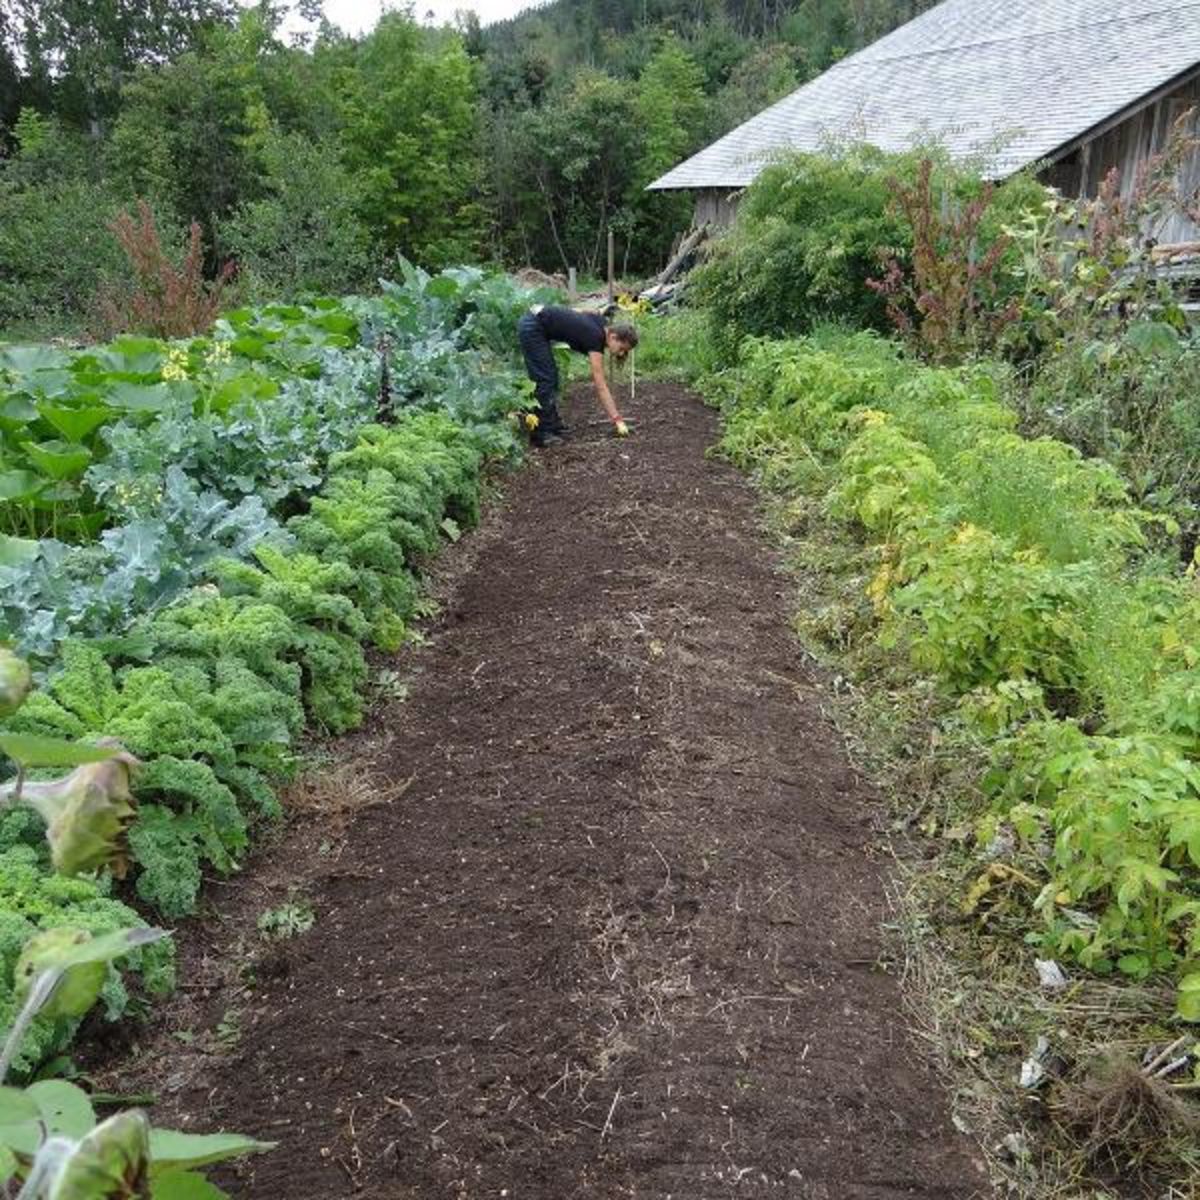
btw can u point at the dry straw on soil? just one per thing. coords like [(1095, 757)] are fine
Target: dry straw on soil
[(338, 792)]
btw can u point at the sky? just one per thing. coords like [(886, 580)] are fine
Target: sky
[(357, 16)]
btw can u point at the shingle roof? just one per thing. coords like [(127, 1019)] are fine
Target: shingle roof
[(1026, 76)]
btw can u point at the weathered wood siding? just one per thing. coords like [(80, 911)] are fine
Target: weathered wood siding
[(1127, 146), (716, 207)]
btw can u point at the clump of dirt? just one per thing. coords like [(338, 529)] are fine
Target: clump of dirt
[(619, 936)]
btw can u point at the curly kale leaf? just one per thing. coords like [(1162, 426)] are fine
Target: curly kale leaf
[(335, 671), (164, 714), (308, 589), (45, 717), (32, 900), (253, 790), (166, 845), (85, 684), (193, 790), (215, 626), (189, 816)]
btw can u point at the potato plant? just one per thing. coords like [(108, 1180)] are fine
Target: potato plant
[(1021, 578)]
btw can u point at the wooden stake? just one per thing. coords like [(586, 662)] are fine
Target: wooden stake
[(572, 286), (611, 266)]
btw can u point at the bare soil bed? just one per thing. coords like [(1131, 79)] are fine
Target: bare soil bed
[(614, 929)]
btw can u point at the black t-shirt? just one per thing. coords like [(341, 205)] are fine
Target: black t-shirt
[(583, 332)]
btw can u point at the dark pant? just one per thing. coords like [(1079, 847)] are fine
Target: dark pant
[(542, 369)]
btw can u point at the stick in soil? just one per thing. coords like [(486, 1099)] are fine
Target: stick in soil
[(667, 867), (1164, 1055), (608, 1122)]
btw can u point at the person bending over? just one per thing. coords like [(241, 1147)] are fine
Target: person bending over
[(584, 332)]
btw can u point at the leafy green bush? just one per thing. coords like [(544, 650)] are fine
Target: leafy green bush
[(815, 231), (1122, 813), (55, 247), (1130, 398), (1108, 359), (304, 234), (984, 611), (889, 481), (806, 241)]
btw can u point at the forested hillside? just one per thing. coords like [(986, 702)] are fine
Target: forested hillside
[(310, 160), (587, 101)]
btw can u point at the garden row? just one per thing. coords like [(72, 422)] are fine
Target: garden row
[(1020, 576), (246, 514)]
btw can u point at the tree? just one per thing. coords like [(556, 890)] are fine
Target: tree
[(10, 77), (409, 114), (80, 52), (185, 136), (54, 245), (191, 136), (765, 75), (566, 171), (304, 234), (671, 110)]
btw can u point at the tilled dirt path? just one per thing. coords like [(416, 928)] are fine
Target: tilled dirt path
[(619, 936)]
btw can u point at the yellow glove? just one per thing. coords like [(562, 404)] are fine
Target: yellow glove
[(531, 421), (620, 428)]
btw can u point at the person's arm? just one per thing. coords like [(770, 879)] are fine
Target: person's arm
[(596, 359)]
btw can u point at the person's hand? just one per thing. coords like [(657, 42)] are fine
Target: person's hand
[(620, 428)]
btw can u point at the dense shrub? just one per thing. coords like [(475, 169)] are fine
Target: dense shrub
[(805, 243), (55, 248), (303, 234), (814, 230), (1133, 398)]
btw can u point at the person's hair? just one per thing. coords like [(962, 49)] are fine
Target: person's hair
[(626, 334)]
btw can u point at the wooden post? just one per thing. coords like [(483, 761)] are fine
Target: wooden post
[(572, 286), (611, 275)]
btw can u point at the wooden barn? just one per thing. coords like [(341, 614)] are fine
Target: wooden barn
[(1072, 87)]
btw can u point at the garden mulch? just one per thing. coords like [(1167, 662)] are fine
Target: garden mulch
[(616, 930)]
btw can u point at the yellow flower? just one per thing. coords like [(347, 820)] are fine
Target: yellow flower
[(176, 365)]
